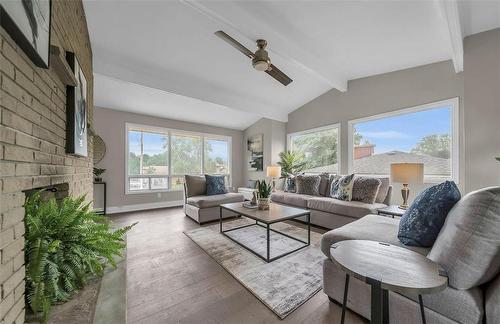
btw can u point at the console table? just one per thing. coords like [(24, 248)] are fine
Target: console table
[(102, 210), (387, 267)]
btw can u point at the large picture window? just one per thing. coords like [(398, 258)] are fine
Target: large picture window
[(425, 134), (319, 148), (157, 159)]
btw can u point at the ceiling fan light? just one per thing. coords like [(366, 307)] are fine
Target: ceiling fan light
[(261, 65)]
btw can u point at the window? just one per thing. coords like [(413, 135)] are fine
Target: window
[(425, 134), (318, 147), (158, 159)]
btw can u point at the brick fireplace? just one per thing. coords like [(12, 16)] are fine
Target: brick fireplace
[(32, 142)]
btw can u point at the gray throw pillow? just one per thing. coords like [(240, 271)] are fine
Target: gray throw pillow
[(307, 184), (195, 185), (341, 188), (323, 184), (365, 189), (382, 190), (468, 246)]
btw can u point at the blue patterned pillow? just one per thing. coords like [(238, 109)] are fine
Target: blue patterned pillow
[(422, 221), (215, 185), (290, 185)]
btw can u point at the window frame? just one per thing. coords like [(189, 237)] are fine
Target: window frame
[(315, 130), (168, 132), (455, 131)]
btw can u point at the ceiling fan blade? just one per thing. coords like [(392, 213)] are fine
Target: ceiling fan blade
[(279, 75), (234, 43)]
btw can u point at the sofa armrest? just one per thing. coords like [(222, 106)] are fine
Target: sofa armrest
[(492, 300), (387, 199), (185, 193)]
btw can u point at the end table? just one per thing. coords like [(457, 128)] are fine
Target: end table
[(392, 210), (387, 267)]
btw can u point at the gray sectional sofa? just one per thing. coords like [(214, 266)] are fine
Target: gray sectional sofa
[(468, 248), (332, 213), (202, 208)]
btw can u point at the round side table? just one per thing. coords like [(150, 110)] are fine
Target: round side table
[(387, 267)]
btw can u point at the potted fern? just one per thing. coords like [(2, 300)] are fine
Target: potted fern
[(264, 191), (65, 245)]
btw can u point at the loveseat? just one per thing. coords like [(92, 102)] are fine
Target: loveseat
[(203, 208), (332, 213), (467, 248)]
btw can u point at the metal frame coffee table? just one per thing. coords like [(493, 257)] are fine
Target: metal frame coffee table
[(265, 218)]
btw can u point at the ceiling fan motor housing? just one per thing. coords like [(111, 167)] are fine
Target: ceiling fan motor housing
[(261, 61)]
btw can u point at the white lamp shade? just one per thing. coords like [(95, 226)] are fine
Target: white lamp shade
[(407, 172), (273, 171)]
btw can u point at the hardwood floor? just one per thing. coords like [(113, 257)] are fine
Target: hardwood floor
[(171, 280)]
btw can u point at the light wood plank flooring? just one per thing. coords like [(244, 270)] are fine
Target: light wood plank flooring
[(171, 280)]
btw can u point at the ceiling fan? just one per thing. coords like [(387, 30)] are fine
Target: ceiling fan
[(260, 59)]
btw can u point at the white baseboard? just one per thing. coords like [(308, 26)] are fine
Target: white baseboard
[(128, 208)]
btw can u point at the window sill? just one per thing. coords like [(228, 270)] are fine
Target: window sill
[(142, 192)]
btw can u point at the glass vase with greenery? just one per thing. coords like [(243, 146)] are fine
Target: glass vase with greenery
[(97, 174), (65, 245)]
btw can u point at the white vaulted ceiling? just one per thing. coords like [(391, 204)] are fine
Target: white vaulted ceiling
[(162, 58)]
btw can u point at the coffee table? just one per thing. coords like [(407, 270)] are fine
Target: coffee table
[(387, 267), (265, 218)]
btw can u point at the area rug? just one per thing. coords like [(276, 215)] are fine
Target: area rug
[(282, 285)]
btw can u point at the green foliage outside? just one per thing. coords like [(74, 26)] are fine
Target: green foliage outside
[(65, 244), (318, 149), (434, 145), (185, 158)]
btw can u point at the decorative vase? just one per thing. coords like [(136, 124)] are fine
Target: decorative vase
[(264, 203), (98, 179)]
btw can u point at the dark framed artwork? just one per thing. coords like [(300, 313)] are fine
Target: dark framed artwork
[(255, 153), (76, 110), (28, 23)]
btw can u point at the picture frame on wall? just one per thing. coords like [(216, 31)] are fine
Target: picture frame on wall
[(255, 153), (76, 110), (28, 22)]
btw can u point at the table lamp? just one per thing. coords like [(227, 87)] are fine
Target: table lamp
[(273, 171), (406, 173)]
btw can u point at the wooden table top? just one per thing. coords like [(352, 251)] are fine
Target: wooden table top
[(275, 213), (398, 269)]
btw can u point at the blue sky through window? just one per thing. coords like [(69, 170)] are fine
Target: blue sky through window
[(403, 132)]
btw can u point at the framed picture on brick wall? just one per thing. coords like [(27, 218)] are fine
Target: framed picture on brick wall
[(28, 23), (76, 110)]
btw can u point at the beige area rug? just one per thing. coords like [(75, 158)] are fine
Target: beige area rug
[(282, 285)]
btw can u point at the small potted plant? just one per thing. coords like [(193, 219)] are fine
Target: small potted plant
[(264, 191), (97, 174)]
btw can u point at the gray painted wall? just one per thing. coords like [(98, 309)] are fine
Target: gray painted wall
[(274, 143), (380, 94), (482, 109), (110, 125), (478, 88)]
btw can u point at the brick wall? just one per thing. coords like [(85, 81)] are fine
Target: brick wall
[(32, 142)]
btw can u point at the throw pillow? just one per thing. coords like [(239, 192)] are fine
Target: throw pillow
[(251, 184), (215, 185), (195, 185), (323, 184), (383, 190), (342, 188), (422, 221), (365, 189), (468, 246), (307, 184), (290, 184)]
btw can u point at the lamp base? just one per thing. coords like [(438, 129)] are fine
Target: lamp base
[(405, 193)]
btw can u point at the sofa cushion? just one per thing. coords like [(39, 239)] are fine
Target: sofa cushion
[(290, 198), (342, 188), (215, 184), (365, 189), (371, 227), (215, 200), (422, 221), (468, 246), (354, 209), (307, 184), (195, 185), (383, 190)]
